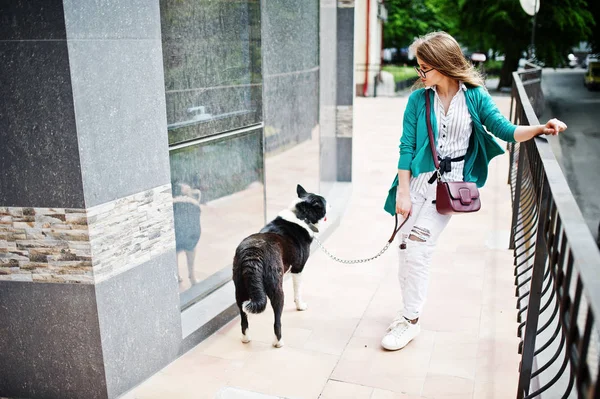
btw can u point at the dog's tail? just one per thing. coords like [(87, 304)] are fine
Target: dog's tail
[(252, 274)]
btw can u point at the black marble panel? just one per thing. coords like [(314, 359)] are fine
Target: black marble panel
[(212, 66), (39, 156), (50, 341), (140, 322), (345, 56), (32, 20), (345, 91), (344, 161)]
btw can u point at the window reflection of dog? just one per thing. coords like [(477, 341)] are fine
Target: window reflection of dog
[(186, 211)]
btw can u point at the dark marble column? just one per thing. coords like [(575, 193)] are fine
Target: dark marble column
[(88, 289), (345, 88)]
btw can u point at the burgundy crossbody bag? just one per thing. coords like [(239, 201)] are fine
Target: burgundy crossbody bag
[(451, 197)]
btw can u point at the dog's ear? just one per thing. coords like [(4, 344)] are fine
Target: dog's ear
[(301, 191)]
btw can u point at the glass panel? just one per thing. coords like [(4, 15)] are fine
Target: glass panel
[(212, 63), (291, 108), (218, 197), (290, 45)]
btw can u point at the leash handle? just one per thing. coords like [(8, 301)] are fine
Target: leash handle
[(396, 228)]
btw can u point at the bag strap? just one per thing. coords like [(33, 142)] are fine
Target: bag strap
[(430, 131)]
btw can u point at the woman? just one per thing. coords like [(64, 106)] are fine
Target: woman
[(460, 108)]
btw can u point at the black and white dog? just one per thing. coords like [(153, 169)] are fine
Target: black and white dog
[(262, 259)]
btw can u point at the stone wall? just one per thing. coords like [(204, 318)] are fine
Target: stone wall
[(45, 245), (130, 231), (61, 245)]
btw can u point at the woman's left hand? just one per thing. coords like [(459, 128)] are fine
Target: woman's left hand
[(554, 126)]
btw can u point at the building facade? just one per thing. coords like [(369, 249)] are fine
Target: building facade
[(140, 141), (368, 44)]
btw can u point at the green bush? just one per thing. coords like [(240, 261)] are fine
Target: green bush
[(492, 67), (400, 72), (492, 64)]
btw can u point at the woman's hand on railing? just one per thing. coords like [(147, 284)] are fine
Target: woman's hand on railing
[(554, 126)]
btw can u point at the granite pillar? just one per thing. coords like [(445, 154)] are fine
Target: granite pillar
[(88, 288), (345, 88)]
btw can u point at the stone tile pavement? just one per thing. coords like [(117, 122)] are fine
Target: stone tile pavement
[(468, 344)]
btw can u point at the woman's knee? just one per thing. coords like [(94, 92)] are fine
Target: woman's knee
[(419, 234)]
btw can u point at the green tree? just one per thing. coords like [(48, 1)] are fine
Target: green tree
[(408, 19), (594, 37), (504, 26)]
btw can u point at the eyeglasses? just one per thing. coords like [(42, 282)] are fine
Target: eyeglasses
[(423, 73)]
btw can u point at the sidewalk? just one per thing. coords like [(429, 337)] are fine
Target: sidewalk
[(468, 344)]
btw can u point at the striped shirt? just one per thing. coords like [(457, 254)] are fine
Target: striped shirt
[(454, 131)]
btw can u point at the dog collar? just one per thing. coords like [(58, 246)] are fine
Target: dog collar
[(311, 226)]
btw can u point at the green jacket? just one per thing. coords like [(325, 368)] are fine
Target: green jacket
[(415, 154)]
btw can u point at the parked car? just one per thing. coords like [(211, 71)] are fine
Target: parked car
[(586, 60), (591, 79)]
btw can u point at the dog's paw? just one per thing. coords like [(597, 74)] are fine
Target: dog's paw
[(301, 305), (278, 343), (245, 305), (246, 338)]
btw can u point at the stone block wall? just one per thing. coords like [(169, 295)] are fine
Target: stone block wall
[(62, 245)]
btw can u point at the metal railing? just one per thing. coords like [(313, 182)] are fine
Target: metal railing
[(557, 266)]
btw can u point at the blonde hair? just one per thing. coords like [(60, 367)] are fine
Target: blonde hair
[(441, 51)]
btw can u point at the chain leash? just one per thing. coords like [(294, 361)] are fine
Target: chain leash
[(351, 261), (364, 260)]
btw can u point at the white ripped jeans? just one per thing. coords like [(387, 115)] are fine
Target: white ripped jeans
[(420, 234)]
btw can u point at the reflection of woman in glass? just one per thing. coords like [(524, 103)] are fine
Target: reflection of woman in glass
[(186, 214), (460, 108)]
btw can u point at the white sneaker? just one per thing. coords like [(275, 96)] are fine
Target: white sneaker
[(400, 333)]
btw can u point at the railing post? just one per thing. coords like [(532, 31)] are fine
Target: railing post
[(513, 93), (512, 145), (517, 200), (511, 160), (535, 293)]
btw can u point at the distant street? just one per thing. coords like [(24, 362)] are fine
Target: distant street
[(579, 149)]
